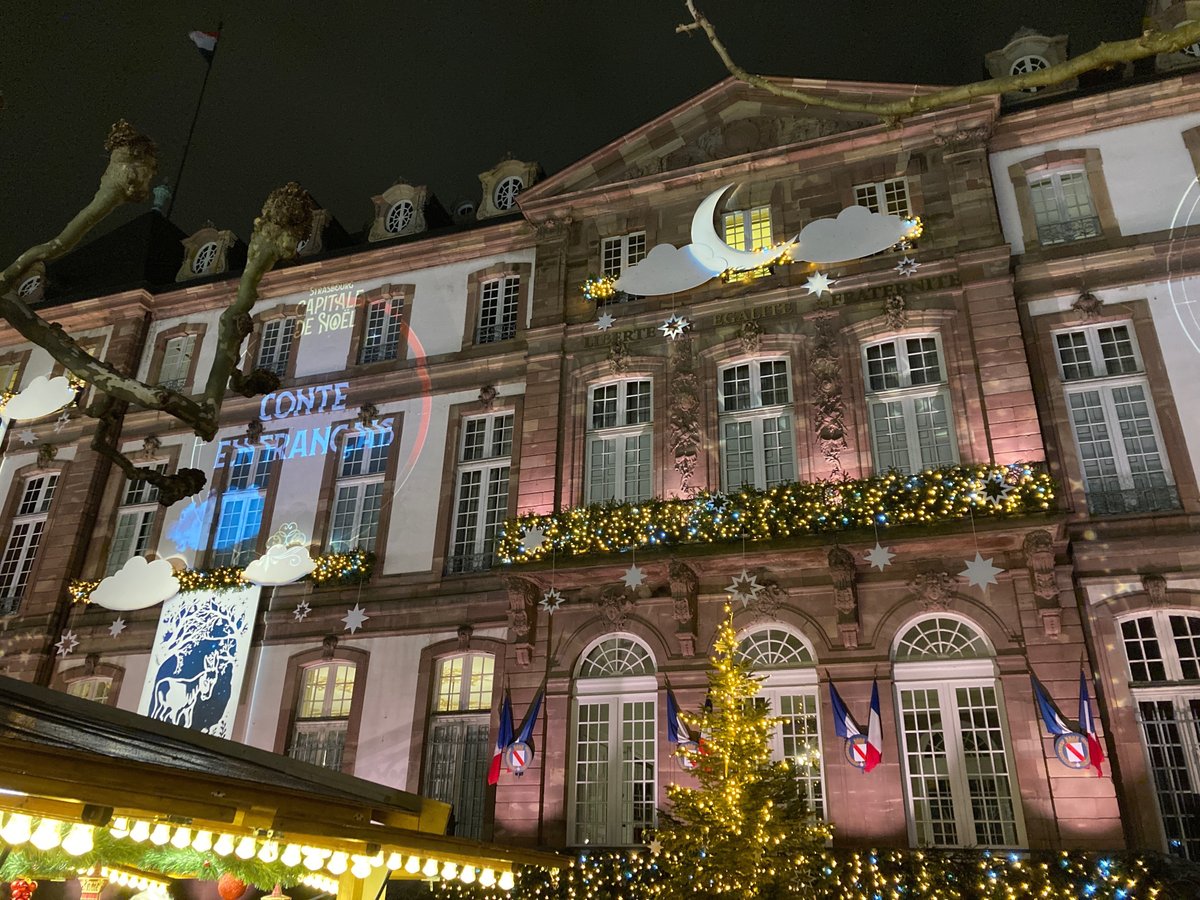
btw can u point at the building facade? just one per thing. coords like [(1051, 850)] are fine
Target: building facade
[(437, 382)]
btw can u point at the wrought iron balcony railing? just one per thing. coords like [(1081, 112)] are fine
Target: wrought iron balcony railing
[(274, 366), (1072, 230), (320, 745), (1160, 498), (10, 604), (490, 334), (469, 562), (174, 384), (379, 352)]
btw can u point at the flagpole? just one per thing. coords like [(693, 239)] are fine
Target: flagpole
[(191, 130)]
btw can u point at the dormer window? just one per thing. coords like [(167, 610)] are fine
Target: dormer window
[(1192, 50), (29, 286), (399, 217), (1025, 64), (205, 257), (505, 194)]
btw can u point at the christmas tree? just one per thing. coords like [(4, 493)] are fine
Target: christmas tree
[(746, 831)]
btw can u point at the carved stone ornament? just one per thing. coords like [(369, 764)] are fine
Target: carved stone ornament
[(487, 396), (464, 636), (46, 454), (684, 420), (828, 404), (963, 137), (1038, 549), (895, 310), (933, 590), (150, 446), (765, 605), (842, 571), (523, 596), (1088, 305), (1156, 589), (554, 227), (329, 645), (367, 413), (615, 605), (618, 355), (254, 430), (750, 334), (685, 593)]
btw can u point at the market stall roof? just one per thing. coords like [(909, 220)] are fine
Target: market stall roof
[(76, 760)]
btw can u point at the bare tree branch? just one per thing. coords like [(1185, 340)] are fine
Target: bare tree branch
[(109, 413), (1151, 43)]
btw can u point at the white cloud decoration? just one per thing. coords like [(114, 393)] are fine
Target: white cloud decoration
[(40, 397), (280, 565), (855, 233), (665, 270), (139, 584)]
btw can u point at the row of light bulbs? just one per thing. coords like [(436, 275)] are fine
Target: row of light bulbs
[(18, 829), (133, 880)]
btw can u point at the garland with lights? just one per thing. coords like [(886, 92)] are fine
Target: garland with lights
[(599, 287), (786, 510), (333, 569)]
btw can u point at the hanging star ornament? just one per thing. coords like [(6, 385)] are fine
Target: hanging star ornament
[(980, 572), (634, 577), (744, 587), (996, 490), (532, 539), (819, 283), (605, 322), (68, 642), (116, 627), (62, 421), (879, 556), (300, 613), (27, 436), (907, 266), (655, 847), (674, 327), (354, 618), (551, 601)]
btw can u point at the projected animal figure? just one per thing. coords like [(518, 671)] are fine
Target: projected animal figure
[(176, 698)]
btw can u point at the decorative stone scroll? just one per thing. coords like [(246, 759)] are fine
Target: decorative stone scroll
[(615, 605), (845, 595), (1156, 589), (1038, 549), (618, 354), (685, 597), (523, 596), (684, 420), (933, 590), (828, 403)]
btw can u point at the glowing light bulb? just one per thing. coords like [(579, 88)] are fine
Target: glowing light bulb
[(47, 835), (507, 881), (291, 855), (202, 842), (268, 852), (430, 868), (413, 866), (337, 863), (224, 845), (361, 867), (487, 877), (394, 861), (140, 831), (245, 848), (120, 827), (182, 838), (17, 829), (78, 840), (467, 875), (160, 835), (449, 870)]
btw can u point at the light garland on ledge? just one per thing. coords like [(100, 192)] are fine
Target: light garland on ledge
[(787, 510), (349, 568)]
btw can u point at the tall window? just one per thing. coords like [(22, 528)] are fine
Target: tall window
[(614, 726), (358, 495), (177, 362), (908, 404), (499, 300), (1063, 208), (242, 503), (1163, 650), (619, 253), (381, 334), (789, 690), (888, 197), (481, 498), (748, 229), (135, 522), (1112, 417), (275, 346), (323, 714), (619, 441), (459, 746), (28, 523), (957, 767), (756, 424)]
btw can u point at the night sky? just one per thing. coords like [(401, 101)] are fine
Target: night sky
[(345, 97)]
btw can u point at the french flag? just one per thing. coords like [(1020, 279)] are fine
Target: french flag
[(677, 729), (503, 738), (843, 722), (206, 43), (1054, 722), (1087, 725), (874, 732)]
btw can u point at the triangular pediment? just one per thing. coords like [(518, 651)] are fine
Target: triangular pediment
[(729, 121)]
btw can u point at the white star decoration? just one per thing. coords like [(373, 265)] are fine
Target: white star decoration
[(744, 587), (116, 627), (24, 656), (300, 613), (605, 322), (996, 490), (907, 266), (880, 557), (655, 846), (674, 327), (634, 577), (980, 572), (354, 618), (27, 436), (551, 601), (68, 642), (533, 539), (62, 421), (819, 283)]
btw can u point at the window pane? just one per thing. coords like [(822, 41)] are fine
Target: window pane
[(474, 432), (450, 680), (735, 388), (602, 469), (502, 435), (929, 783), (760, 228), (604, 406), (883, 371), (933, 431), (479, 687), (1045, 204), (1138, 436), (637, 402), (735, 230), (888, 435), (1074, 355), (1186, 632), (737, 452), (637, 467), (1117, 348), (496, 510), (636, 248), (591, 773), (895, 194), (1095, 446), (610, 256), (774, 382), (986, 766), (777, 450), (1174, 782), (1142, 650), (1077, 201), (923, 367), (801, 745), (459, 752), (637, 770)]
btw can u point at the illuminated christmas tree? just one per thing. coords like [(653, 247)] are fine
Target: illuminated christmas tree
[(746, 831)]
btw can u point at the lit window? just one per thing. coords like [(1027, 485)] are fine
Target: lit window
[(177, 362), (275, 347), (242, 502), (499, 300), (481, 497), (358, 494), (749, 229), (889, 197), (458, 750), (908, 405), (619, 441), (619, 253), (96, 688), (505, 194), (1062, 207), (399, 217), (323, 714), (203, 261), (756, 424), (381, 335), (25, 536), (135, 522)]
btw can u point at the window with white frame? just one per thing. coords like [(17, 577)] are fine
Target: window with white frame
[(204, 259), (748, 229), (94, 687), (908, 404), (1125, 468), (382, 330), (619, 441), (275, 344), (135, 522), (481, 494), (24, 538), (958, 770), (399, 217), (786, 665), (614, 745), (888, 197), (505, 194), (755, 423), (619, 253), (177, 362), (358, 494), (1062, 207), (323, 714), (499, 300), (242, 503), (1163, 651), (459, 746)]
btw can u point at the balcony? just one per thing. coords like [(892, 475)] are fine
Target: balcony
[(1073, 230), (321, 744), (1161, 498), (379, 353), (10, 604), (490, 334), (469, 562)]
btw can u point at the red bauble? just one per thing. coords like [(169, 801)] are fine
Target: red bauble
[(229, 887), (21, 888)]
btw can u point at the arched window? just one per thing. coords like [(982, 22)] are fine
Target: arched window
[(323, 713), (458, 745), (614, 724), (958, 770), (789, 689), (1162, 648)]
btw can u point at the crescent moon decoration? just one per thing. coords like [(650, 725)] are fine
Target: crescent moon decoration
[(709, 246)]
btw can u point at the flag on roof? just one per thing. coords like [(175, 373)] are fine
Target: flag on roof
[(1087, 724), (1055, 723), (504, 737), (874, 732), (206, 43)]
